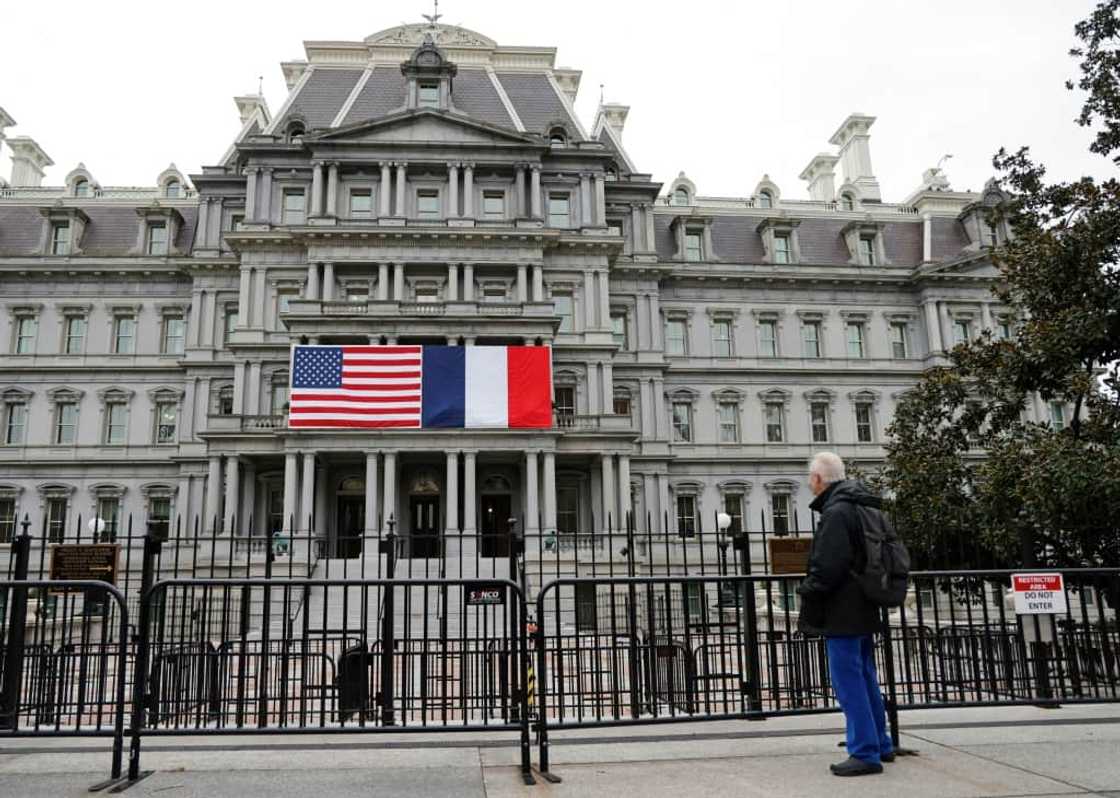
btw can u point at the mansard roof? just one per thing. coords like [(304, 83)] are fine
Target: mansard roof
[(110, 232)]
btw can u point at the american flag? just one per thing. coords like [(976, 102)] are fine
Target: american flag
[(356, 386)]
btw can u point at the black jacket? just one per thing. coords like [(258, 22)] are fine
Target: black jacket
[(832, 602)]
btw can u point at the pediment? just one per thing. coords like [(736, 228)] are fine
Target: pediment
[(975, 265), (425, 125)]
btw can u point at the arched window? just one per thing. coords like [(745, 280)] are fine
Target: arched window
[(765, 199), (557, 137), (173, 189), (679, 197), (295, 130), (81, 188), (847, 202)]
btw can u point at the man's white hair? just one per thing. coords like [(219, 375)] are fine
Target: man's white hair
[(829, 466)]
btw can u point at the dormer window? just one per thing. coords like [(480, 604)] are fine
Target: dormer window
[(847, 202), (157, 238), (765, 199), (694, 245), (294, 131), (173, 190), (82, 189), (865, 243), (60, 238), (867, 250), (780, 240), (679, 197), (782, 250), (557, 137), (992, 233), (427, 94)]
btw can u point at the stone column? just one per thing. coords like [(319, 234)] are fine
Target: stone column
[(470, 508), (383, 281), (371, 492), (608, 387), (532, 505), (233, 494), (986, 315), (538, 283), (317, 189), (208, 326), (253, 389), (248, 520), (519, 190), (307, 499), (190, 395), (451, 512), (549, 493), (194, 324), (624, 504), (468, 190), (610, 505), (662, 419), (264, 195), (453, 190), (386, 178), (244, 297), (665, 505), (332, 189), (402, 181), (239, 388), (927, 238), (398, 282), (291, 487), (657, 327), (600, 201), (251, 195), (651, 239), (589, 301), (453, 282), (593, 389), (637, 228), (258, 300), (522, 283), (328, 281), (202, 233), (389, 493), (468, 282), (312, 290), (946, 322), (604, 300), (213, 494), (535, 192), (584, 199)]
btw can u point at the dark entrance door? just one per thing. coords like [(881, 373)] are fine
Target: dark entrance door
[(351, 525), (424, 511), (495, 526)]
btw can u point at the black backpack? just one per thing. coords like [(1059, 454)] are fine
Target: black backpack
[(886, 562)]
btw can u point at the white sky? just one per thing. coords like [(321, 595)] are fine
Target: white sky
[(725, 91)]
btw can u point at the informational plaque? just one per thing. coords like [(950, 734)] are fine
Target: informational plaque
[(789, 555), (483, 594), (86, 561)]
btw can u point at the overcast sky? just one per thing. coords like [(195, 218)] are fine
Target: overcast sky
[(725, 91)]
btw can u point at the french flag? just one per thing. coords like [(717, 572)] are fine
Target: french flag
[(487, 387)]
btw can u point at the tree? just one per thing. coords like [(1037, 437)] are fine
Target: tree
[(962, 461)]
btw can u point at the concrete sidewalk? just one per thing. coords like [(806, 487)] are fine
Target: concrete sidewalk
[(1021, 751)]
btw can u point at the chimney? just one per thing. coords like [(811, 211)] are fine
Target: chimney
[(821, 173), (568, 81), (853, 139), (248, 104), (614, 116), (28, 162)]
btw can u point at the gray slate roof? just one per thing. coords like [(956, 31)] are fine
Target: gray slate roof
[(322, 96), (473, 93), (111, 231), (20, 229), (536, 102), (947, 238), (383, 93)]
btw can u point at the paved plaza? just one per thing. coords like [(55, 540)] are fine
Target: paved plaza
[(989, 753)]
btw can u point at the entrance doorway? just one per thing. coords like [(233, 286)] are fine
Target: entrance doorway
[(424, 512), (351, 526), (495, 525)]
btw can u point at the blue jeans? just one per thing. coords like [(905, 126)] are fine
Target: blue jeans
[(851, 662)]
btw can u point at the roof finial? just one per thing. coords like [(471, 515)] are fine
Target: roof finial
[(601, 94), (260, 85), (433, 18)]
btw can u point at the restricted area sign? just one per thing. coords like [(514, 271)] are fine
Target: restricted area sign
[(1039, 594)]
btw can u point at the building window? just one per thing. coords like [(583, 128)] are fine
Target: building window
[(565, 398), (81, 188), (693, 246), (174, 334), (765, 199), (1004, 330), (231, 320), (992, 235), (775, 427), (427, 293), (721, 338), (284, 303), (174, 189), (779, 513), (962, 331), (855, 339), (1057, 416), (56, 519), (900, 344), (361, 202), (167, 415), (116, 422), (782, 251), (615, 228), (818, 421), (15, 422), (558, 210), (682, 422), (733, 506), (159, 516), (235, 221), (27, 330), (7, 520), (686, 516), (494, 205), (60, 238), (66, 422), (811, 339), (676, 337), (694, 601), (225, 401), (567, 509), (427, 204), (74, 336), (585, 608), (619, 330), (427, 95), (279, 395), (622, 406), (124, 335), (293, 206), (157, 238), (356, 294), (679, 197), (563, 305), (728, 422), (867, 250), (847, 202), (494, 292), (864, 429), (768, 338), (109, 512)]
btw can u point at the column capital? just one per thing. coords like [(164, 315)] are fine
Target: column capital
[(468, 165), (266, 170), (454, 164), (536, 167), (318, 163), (401, 164), (251, 170), (384, 164)]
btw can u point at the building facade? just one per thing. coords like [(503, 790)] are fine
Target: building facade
[(426, 185)]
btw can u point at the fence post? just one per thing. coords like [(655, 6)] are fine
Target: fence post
[(892, 685), (389, 549), (742, 544), (632, 620), (152, 545), (17, 634)]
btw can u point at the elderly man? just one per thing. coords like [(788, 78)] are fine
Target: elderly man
[(833, 604)]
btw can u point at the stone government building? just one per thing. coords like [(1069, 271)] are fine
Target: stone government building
[(426, 185)]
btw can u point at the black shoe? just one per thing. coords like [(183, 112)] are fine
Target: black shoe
[(855, 767), (886, 757)]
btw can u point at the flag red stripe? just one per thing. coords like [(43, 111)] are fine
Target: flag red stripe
[(334, 397), (350, 410), (354, 360), (348, 373), (354, 423), (380, 350)]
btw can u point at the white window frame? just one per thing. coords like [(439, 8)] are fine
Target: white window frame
[(670, 320), (67, 337), (859, 326), (19, 336), (774, 347), (117, 338), (154, 247), (554, 219), (717, 322)]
